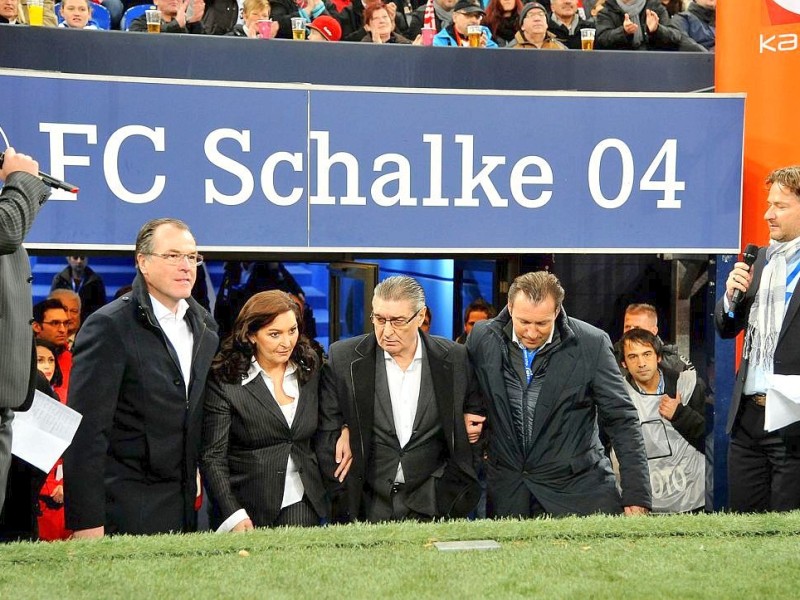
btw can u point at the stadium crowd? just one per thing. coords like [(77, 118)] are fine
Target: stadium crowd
[(684, 25)]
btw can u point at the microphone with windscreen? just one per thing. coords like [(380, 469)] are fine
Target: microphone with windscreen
[(749, 257)]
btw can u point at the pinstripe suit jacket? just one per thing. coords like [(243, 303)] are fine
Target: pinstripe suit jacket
[(246, 444), (21, 198)]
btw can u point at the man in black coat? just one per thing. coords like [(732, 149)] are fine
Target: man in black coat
[(547, 379), (139, 371), (764, 453), (409, 404)]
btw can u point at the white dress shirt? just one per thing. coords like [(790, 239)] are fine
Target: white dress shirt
[(178, 333), (404, 389), (293, 489)]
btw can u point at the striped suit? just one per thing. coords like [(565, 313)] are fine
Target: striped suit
[(246, 445), (20, 200)]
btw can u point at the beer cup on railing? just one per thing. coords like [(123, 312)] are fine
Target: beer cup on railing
[(587, 39), (298, 28), (153, 17)]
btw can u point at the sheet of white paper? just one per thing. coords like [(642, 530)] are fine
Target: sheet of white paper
[(41, 434), (783, 402)]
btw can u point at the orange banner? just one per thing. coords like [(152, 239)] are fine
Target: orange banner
[(758, 52)]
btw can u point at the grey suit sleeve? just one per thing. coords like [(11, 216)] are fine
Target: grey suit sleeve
[(214, 453), (21, 198), (620, 420), (95, 381)]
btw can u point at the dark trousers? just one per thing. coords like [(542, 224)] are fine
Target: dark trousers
[(763, 474), (299, 514)]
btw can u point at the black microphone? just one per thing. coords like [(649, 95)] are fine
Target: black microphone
[(48, 179), (749, 257)]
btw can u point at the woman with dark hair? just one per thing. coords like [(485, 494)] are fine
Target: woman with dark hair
[(51, 495), (502, 18), (260, 418)]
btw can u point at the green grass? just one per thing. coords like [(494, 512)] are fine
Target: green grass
[(685, 556)]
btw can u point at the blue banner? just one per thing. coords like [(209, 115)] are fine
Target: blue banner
[(310, 168)]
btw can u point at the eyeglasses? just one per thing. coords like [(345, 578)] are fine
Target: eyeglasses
[(395, 322), (175, 258), (56, 323)]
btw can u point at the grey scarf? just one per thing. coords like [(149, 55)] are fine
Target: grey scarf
[(769, 306), (444, 15), (633, 9)]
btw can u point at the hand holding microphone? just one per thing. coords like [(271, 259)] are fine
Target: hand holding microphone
[(12, 162), (740, 278)]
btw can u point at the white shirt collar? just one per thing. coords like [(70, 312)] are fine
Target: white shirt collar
[(162, 312), (255, 370), (515, 339)]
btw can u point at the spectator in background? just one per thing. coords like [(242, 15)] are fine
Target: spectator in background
[(51, 495), (502, 19), (566, 24), (533, 33), (253, 11), (353, 19), (284, 10), (699, 22), (9, 11), (427, 320), (51, 323), (76, 14), (443, 16), (465, 13), (379, 26), (645, 316), (173, 17), (478, 310), (324, 29), (79, 277), (635, 25), (671, 409), (673, 7), (72, 303)]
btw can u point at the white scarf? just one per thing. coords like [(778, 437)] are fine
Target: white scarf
[(769, 306)]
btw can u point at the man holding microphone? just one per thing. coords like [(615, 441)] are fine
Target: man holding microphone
[(22, 196), (764, 455)]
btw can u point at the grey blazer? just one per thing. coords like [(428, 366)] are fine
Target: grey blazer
[(20, 201)]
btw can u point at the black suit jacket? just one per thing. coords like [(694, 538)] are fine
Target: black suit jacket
[(347, 396), (246, 444), (787, 350), (132, 466)]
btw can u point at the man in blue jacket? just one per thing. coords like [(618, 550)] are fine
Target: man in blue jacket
[(465, 13)]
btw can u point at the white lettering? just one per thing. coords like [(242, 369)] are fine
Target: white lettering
[(324, 163), (435, 191), (402, 176), (482, 179), (268, 177), (216, 158), (59, 160), (518, 179), (111, 163)]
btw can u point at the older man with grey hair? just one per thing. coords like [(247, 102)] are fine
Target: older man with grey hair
[(410, 405)]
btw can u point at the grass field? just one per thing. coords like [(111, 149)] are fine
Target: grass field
[(685, 556)]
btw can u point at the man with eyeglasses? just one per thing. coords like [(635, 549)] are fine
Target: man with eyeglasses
[(51, 323), (79, 277), (411, 407), (466, 14), (140, 367), (548, 379)]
